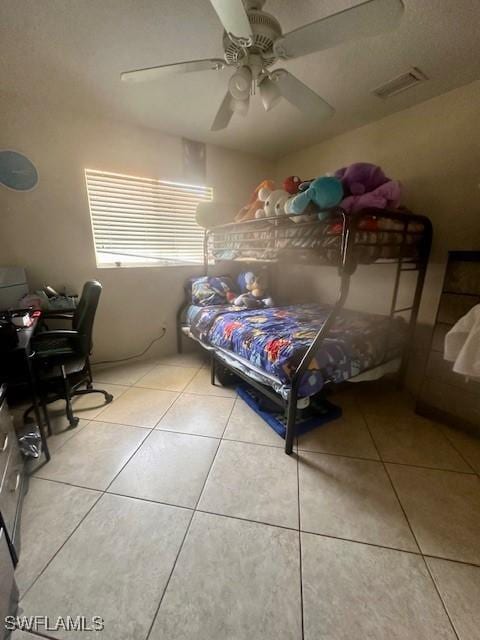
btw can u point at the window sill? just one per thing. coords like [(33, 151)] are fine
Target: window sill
[(148, 265)]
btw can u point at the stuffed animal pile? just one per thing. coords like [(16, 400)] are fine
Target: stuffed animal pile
[(359, 186), (297, 197)]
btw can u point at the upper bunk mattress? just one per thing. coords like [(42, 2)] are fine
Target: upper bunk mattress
[(276, 339)]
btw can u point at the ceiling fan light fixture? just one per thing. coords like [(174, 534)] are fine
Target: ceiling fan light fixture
[(240, 83), (269, 93), (240, 106)]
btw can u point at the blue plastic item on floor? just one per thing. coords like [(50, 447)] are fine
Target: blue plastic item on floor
[(314, 416)]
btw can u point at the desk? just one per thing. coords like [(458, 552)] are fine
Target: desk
[(24, 353), (8, 589)]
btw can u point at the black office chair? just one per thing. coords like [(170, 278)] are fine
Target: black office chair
[(62, 357)]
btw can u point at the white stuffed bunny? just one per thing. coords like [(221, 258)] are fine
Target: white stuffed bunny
[(270, 198)]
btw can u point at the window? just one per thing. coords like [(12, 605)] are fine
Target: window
[(138, 221)]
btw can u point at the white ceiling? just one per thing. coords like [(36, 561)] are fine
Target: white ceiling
[(69, 54)]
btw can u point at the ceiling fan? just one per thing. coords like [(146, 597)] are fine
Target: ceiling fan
[(253, 42)]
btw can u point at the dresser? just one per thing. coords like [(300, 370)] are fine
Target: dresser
[(12, 479), (11, 472), (8, 588), (445, 395)]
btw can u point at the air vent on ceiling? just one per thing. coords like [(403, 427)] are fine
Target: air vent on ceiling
[(401, 83)]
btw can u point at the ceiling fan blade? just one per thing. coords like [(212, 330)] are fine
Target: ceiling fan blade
[(269, 93), (365, 19), (234, 18), (301, 96), (224, 114), (152, 73)]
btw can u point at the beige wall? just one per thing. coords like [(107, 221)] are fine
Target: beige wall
[(48, 230), (434, 149)]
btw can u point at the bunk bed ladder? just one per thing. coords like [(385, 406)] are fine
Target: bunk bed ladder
[(419, 265)]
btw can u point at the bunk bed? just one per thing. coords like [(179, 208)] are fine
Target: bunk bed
[(326, 343)]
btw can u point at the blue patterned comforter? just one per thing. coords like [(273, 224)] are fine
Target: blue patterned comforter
[(275, 340)]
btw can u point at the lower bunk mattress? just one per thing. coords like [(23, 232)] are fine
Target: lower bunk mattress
[(274, 341)]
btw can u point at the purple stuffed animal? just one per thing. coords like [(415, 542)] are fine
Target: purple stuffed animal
[(365, 185)]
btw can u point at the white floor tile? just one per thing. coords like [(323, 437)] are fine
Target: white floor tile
[(169, 378), (124, 373), (459, 586), (233, 580), (353, 591), (139, 407), (253, 482), (200, 384), (187, 359), (348, 435), (168, 467), (247, 426), (94, 457), (351, 499), (61, 433), (467, 444), (411, 439), (116, 565), (204, 415), (443, 508), (51, 511)]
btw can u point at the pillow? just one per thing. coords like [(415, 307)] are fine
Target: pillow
[(212, 290)]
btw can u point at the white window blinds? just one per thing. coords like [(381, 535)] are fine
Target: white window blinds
[(142, 221)]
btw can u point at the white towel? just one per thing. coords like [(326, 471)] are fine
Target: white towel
[(462, 344)]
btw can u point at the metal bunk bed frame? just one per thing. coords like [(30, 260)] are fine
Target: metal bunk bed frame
[(347, 264)]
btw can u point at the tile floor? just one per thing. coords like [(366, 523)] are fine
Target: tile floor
[(173, 513)]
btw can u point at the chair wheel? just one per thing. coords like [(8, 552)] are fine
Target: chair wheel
[(89, 386), (108, 398), (74, 422)]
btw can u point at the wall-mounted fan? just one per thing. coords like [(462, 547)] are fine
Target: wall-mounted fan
[(253, 42)]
